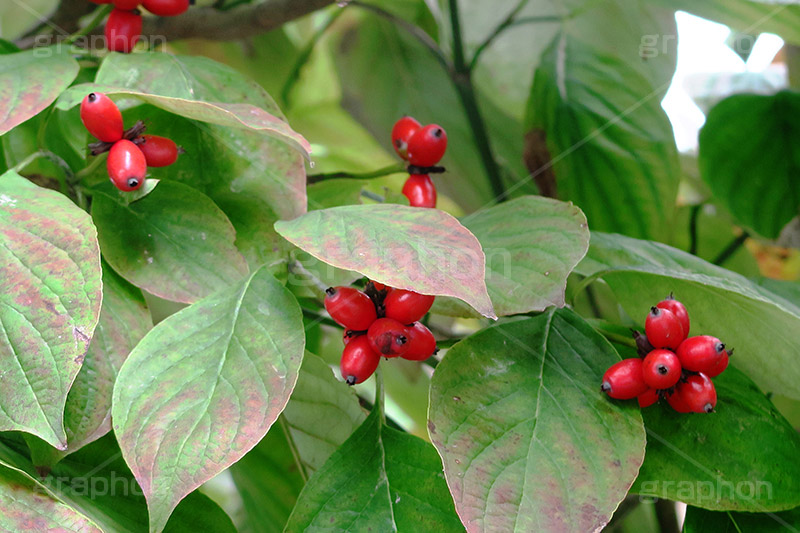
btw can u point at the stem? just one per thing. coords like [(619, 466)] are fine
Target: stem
[(693, 216), (385, 171), (458, 44), (372, 196), (308, 313), (100, 14), (50, 156), (731, 249), (379, 393), (96, 162), (507, 22), (590, 296), (293, 447), (665, 515), (296, 268)]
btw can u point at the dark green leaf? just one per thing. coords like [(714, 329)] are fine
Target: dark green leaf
[(424, 250), (174, 243), (529, 443), (701, 521), (50, 297), (754, 176), (204, 386), (742, 457)]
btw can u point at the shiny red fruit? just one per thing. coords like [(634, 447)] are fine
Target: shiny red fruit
[(359, 361), (126, 166), (420, 191), (388, 337), (427, 146), (721, 366), (678, 309), (421, 343), (701, 353), (350, 307), (127, 5), (166, 8), (661, 369), (101, 116), (407, 307), (624, 380), (698, 393), (348, 335), (402, 132), (159, 151), (678, 402), (663, 329), (648, 398), (123, 30)]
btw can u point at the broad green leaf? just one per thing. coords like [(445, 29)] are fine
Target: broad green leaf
[(220, 158), (30, 81), (269, 482), (174, 243), (24, 508), (528, 441), (50, 297), (742, 457), (379, 480), (754, 177), (596, 117), (321, 414), (531, 245), (96, 482), (424, 250), (720, 303), (701, 521), (204, 386)]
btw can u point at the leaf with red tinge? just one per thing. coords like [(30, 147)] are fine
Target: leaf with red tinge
[(528, 441), (50, 297), (30, 81), (204, 387), (423, 250)]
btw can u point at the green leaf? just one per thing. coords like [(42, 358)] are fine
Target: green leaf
[(30, 81), (321, 414), (528, 441), (219, 158), (204, 386), (96, 482), (424, 250), (754, 177), (701, 521), (595, 115), (720, 303), (174, 243), (531, 246), (50, 297), (24, 508), (378, 480), (726, 460)]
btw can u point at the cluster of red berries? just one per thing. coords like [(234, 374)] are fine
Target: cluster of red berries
[(423, 147), (124, 24), (379, 322), (670, 365), (129, 152)]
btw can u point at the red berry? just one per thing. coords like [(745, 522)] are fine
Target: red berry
[(678, 309), (624, 380), (721, 366), (166, 8), (701, 353), (663, 329), (698, 393), (380, 287), (427, 146), (123, 30), (421, 343), (126, 165), (358, 361), (661, 369), (101, 116), (401, 133), (126, 5), (388, 337), (350, 307), (159, 151), (348, 335), (678, 402), (407, 306), (648, 398), (420, 191)]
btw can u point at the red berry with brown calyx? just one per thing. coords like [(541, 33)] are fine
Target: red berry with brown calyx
[(402, 132), (388, 337), (722, 365), (101, 116), (350, 308), (126, 166), (698, 393), (421, 343), (648, 398), (166, 8), (359, 360), (663, 329), (661, 369), (701, 353), (678, 402), (427, 146), (407, 307), (123, 30), (420, 191), (159, 151), (624, 380), (677, 309)]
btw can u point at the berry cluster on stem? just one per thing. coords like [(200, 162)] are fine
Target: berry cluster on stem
[(124, 25), (672, 365), (423, 147), (379, 321)]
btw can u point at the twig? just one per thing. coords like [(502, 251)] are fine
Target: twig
[(385, 171), (694, 214), (731, 249), (293, 447), (100, 14)]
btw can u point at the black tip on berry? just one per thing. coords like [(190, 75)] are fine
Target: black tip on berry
[(438, 132), (92, 97), (670, 297), (662, 369), (133, 182), (435, 351), (720, 347), (708, 408), (401, 339), (730, 352), (655, 311), (605, 387), (330, 291), (350, 380)]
